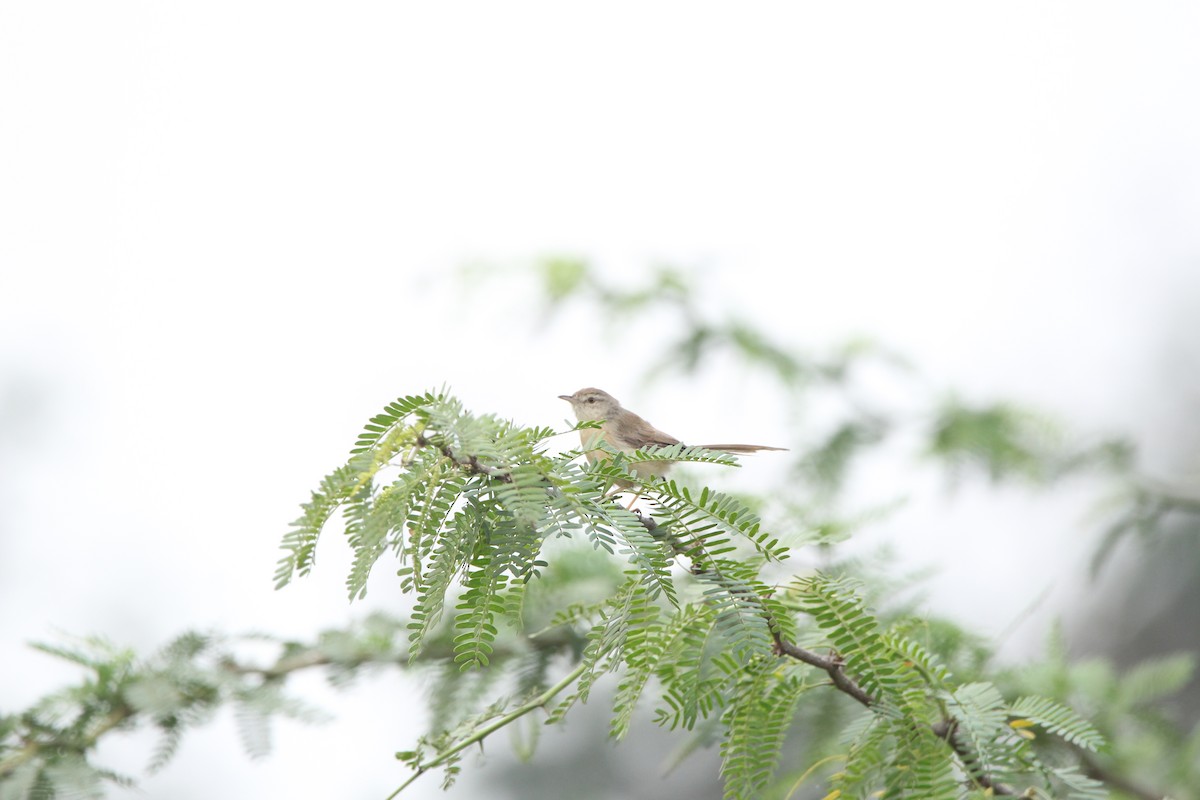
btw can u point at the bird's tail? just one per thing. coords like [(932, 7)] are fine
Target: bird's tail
[(739, 448)]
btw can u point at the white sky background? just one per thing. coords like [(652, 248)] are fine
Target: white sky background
[(228, 232)]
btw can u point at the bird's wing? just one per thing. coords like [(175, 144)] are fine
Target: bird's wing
[(635, 431)]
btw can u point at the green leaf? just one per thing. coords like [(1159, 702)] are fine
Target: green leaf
[(1058, 719), (757, 720)]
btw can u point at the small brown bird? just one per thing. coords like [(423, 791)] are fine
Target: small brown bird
[(625, 431)]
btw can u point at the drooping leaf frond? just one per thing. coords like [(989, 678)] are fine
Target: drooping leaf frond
[(1080, 786), (756, 721), (936, 673), (388, 420), (855, 634), (630, 606), (673, 651), (300, 543), (478, 610), (432, 584), (1058, 719), (741, 618), (922, 766), (978, 710), (711, 521)]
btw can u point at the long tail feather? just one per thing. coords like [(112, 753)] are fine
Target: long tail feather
[(739, 448)]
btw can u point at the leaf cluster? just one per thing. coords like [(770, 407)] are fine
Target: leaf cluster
[(469, 508)]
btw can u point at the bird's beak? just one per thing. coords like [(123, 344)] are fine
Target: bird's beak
[(566, 397)]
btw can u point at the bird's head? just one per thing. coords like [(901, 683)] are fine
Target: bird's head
[(592, 404)]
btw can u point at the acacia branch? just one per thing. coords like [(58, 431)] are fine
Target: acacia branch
[(946, 729), (469, 463), (830, 664), (482, 733), (121, 713), (83, 735), (835, 668)]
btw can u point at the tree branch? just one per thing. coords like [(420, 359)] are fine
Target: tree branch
[(38, 740), (830, 664), (469, 463), (946, 729)]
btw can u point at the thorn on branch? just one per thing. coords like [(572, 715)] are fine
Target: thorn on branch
[(832, 665)]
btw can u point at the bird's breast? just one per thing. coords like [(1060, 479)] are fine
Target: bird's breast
[(591, 439)]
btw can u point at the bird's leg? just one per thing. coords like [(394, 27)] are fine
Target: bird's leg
[(617, 489)]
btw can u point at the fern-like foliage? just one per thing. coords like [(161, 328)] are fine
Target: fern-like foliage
[(432, 583), (756, 722), (978, 709), (478, 610), (742, 619), (300, 543), (468, 508), (927, 737), (628, 612), (693, 684), (1057, 719), (671, 649), (855, 634), (713, 523), (922, 766)]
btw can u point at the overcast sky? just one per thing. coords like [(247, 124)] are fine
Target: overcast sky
[(229, 232)]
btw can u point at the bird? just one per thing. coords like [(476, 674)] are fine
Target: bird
[(625, 431)]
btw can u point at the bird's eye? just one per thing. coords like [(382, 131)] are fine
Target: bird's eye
[(591, 399)]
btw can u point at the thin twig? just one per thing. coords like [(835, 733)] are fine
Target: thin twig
[(538, 702)]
